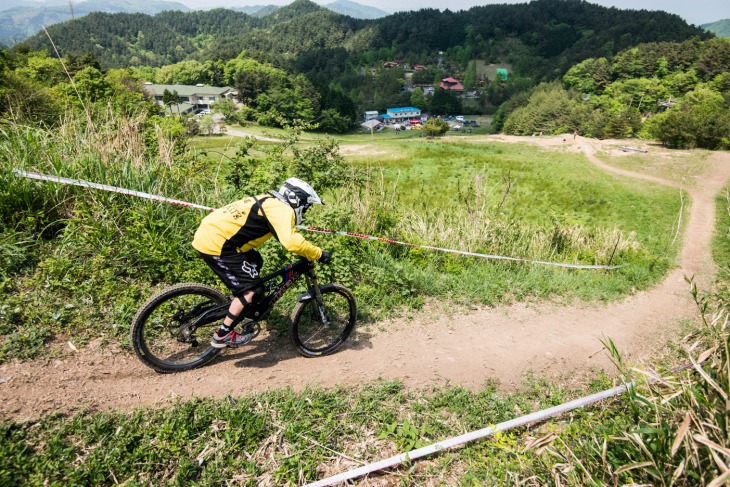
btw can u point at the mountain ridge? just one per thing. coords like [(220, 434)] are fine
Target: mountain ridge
[(19, 22), (542, 37), (721, 28)]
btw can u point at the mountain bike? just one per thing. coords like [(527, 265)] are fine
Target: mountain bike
[(172, 330)]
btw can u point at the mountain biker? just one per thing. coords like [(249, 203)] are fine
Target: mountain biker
[(227, 238)]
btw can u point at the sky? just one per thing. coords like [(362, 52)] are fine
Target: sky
[(695, 12)]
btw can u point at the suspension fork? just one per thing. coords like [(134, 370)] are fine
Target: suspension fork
[(313, 284)]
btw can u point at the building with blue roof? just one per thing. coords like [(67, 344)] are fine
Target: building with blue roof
[(402, 114)]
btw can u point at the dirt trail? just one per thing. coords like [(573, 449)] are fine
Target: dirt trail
[(436, 347)]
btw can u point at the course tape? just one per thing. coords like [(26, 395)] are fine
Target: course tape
[(460, 252), (153, 197), (106, 187)]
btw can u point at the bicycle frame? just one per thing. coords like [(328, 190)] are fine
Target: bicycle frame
[(263, 303)]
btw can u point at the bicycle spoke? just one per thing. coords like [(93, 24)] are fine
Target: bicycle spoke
[(321, 330), (168, 333)]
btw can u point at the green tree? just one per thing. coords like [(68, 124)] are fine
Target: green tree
[(470, 77), (425, 77), (258, 167), (641, 93), (714, 57), (206, 125), (445, 103), (435, 126), (330, 120), (39, 67), (225, 107), (127, 95), (701, 120), (90, 84), (170, 98), (549, 110), (590, 76), (418, 100), (680, 82), (183, 73)]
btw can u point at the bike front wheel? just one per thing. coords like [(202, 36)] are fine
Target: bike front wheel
[(172, 330), (320, 330)]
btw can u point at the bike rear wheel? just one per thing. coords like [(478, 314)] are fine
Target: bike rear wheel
[(171, 332), (315, 335)]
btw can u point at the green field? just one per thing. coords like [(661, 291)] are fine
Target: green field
[(77, 264), (73, 246), (504, 199)]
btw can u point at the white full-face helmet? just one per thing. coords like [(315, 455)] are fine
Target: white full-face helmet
[(300, 196)]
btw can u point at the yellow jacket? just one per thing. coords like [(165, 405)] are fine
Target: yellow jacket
[(236, 228)]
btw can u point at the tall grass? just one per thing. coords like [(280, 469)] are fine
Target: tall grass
[(103, 253), (474, 223), (108, 251)]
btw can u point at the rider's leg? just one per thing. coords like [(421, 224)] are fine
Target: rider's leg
[(226, 335), (240, 274), (236, 308)]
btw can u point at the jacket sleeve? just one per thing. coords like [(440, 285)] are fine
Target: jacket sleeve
[(282, 218)]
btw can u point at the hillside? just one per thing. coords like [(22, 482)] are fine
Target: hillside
[(542, 38), (256, 10), (356, 10), (721, 28), (20, 22)]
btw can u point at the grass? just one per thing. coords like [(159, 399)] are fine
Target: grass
[(503, 199), (677, 166), (516, 201), (82, 267), (721, 242), (280, 437)]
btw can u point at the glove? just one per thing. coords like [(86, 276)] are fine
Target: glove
[(325, 259)]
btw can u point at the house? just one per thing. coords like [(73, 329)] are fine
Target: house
[(371, 114), (451, 84), (667, 103), (192, 97), (419, 67), (391, 64), (402, 114)]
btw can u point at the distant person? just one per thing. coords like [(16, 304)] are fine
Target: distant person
[(227, 238)]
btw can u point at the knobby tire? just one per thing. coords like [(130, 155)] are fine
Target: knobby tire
[(158, 334), (311, 336)]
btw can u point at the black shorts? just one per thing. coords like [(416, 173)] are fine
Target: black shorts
[(239, 272)]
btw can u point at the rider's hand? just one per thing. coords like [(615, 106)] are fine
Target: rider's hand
[(325, 259)]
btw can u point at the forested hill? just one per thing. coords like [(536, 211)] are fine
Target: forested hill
[(721, 28), (546, 36)]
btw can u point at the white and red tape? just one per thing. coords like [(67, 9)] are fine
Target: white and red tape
[(153, 197)]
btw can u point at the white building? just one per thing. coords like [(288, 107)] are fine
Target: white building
[(192, 97), (404, 113)]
